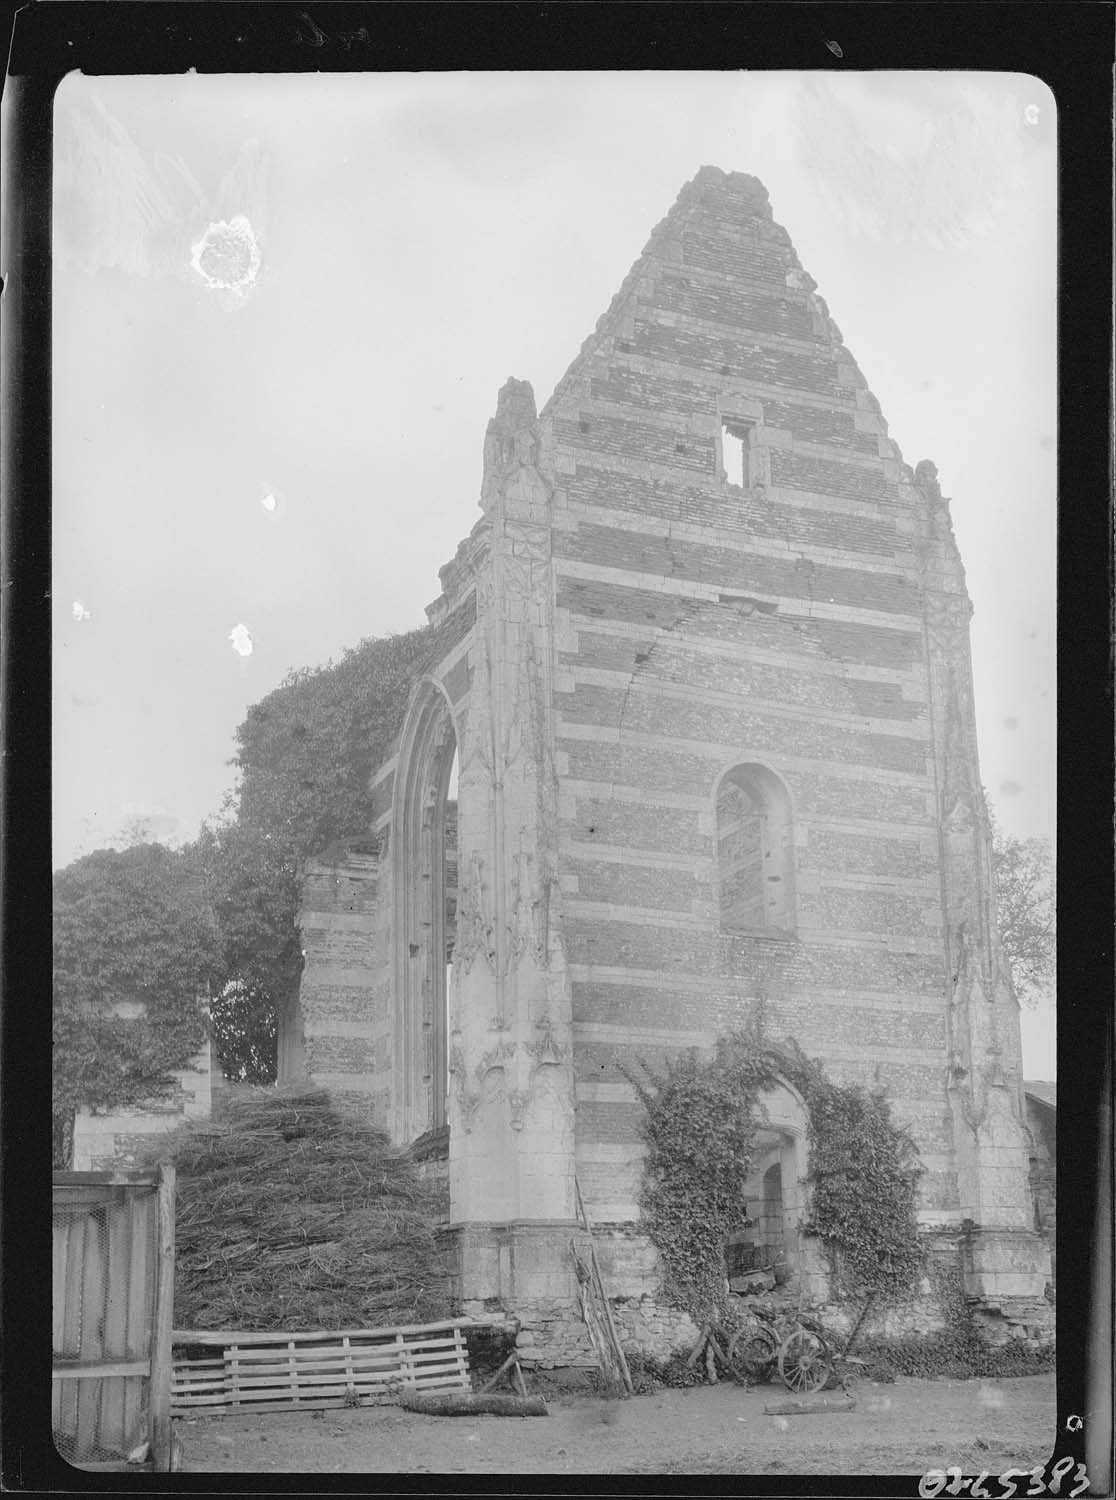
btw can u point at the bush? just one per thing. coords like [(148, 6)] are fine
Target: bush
[(954, 1354), (650, 1374)]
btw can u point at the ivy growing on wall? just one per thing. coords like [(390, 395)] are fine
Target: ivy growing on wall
[(864, 1174), (701, 1118), (700, 1127)]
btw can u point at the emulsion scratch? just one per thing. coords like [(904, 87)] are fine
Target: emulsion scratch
[(241, 640), (227, 257)]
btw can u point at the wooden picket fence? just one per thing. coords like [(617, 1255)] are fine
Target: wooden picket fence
[(264, 1372)]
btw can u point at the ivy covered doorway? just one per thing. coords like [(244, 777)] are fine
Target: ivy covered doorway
[(774, 1199)]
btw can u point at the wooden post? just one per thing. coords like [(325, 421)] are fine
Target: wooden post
[(161, 1325)]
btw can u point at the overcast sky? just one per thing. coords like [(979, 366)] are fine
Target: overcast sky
[(280, 427)]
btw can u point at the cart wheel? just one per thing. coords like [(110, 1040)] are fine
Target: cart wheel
[(805, 1362), (751, 1352), (849, 1371)]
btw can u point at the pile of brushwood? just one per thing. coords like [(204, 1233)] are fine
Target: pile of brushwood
[(293, 1214)]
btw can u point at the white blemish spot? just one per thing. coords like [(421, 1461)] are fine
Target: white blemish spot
[(241, 640), (227, 257), (269, 503), (990, 1395), (782, 1424), (80, 611), (1031, 114)]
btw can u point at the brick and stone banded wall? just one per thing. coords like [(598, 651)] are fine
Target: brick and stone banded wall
[(596, 434), (780, 965), (342, 988), (626, 827), (821, 476), (872, 911), (889, 645), (786, 577), (872, 530), (734, 305), (805, 678), (834, 1019), (763, 731), (736, 249), (654, 388), (716, 349)]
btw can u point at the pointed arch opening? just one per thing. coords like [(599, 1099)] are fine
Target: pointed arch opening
[(755, 852), (772, 1247), (424, 869)]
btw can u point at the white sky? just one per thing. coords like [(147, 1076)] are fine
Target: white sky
[(421, 238)]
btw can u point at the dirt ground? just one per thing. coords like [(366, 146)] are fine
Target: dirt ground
[(901, 1428)]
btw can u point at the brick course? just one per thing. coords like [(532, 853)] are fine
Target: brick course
[(733, 509), (789, 578)]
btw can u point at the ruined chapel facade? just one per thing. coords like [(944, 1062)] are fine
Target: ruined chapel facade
[(700, 740)]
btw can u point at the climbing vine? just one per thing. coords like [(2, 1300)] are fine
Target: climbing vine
[(864, 1174), (700, 1124), (699, 1127)]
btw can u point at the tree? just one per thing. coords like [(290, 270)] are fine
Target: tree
[(135, 950), (245, 1032), (306, 754), (1024, 873)]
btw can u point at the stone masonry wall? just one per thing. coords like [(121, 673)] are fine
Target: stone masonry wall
[(103, 1142), (702, 624), (343, 1014)]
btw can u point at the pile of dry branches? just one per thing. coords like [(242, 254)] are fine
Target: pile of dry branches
[(294, 1214)]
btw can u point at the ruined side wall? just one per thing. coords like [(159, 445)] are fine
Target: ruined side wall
[(121, 1139), (701, 624), (341, 1030), (341, 1012)]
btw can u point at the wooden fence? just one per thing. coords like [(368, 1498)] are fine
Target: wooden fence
[(263, 1372), (113, 1277)]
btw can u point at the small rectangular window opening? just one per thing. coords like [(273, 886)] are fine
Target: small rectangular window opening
[(736, 446)]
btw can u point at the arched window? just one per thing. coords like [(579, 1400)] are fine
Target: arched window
[(755, 867)]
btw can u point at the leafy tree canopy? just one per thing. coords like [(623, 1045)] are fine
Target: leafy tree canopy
[(306, 754), (1024, 873), (132, 928)]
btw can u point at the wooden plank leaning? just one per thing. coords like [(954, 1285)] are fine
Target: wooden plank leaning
[(616, 1349)]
